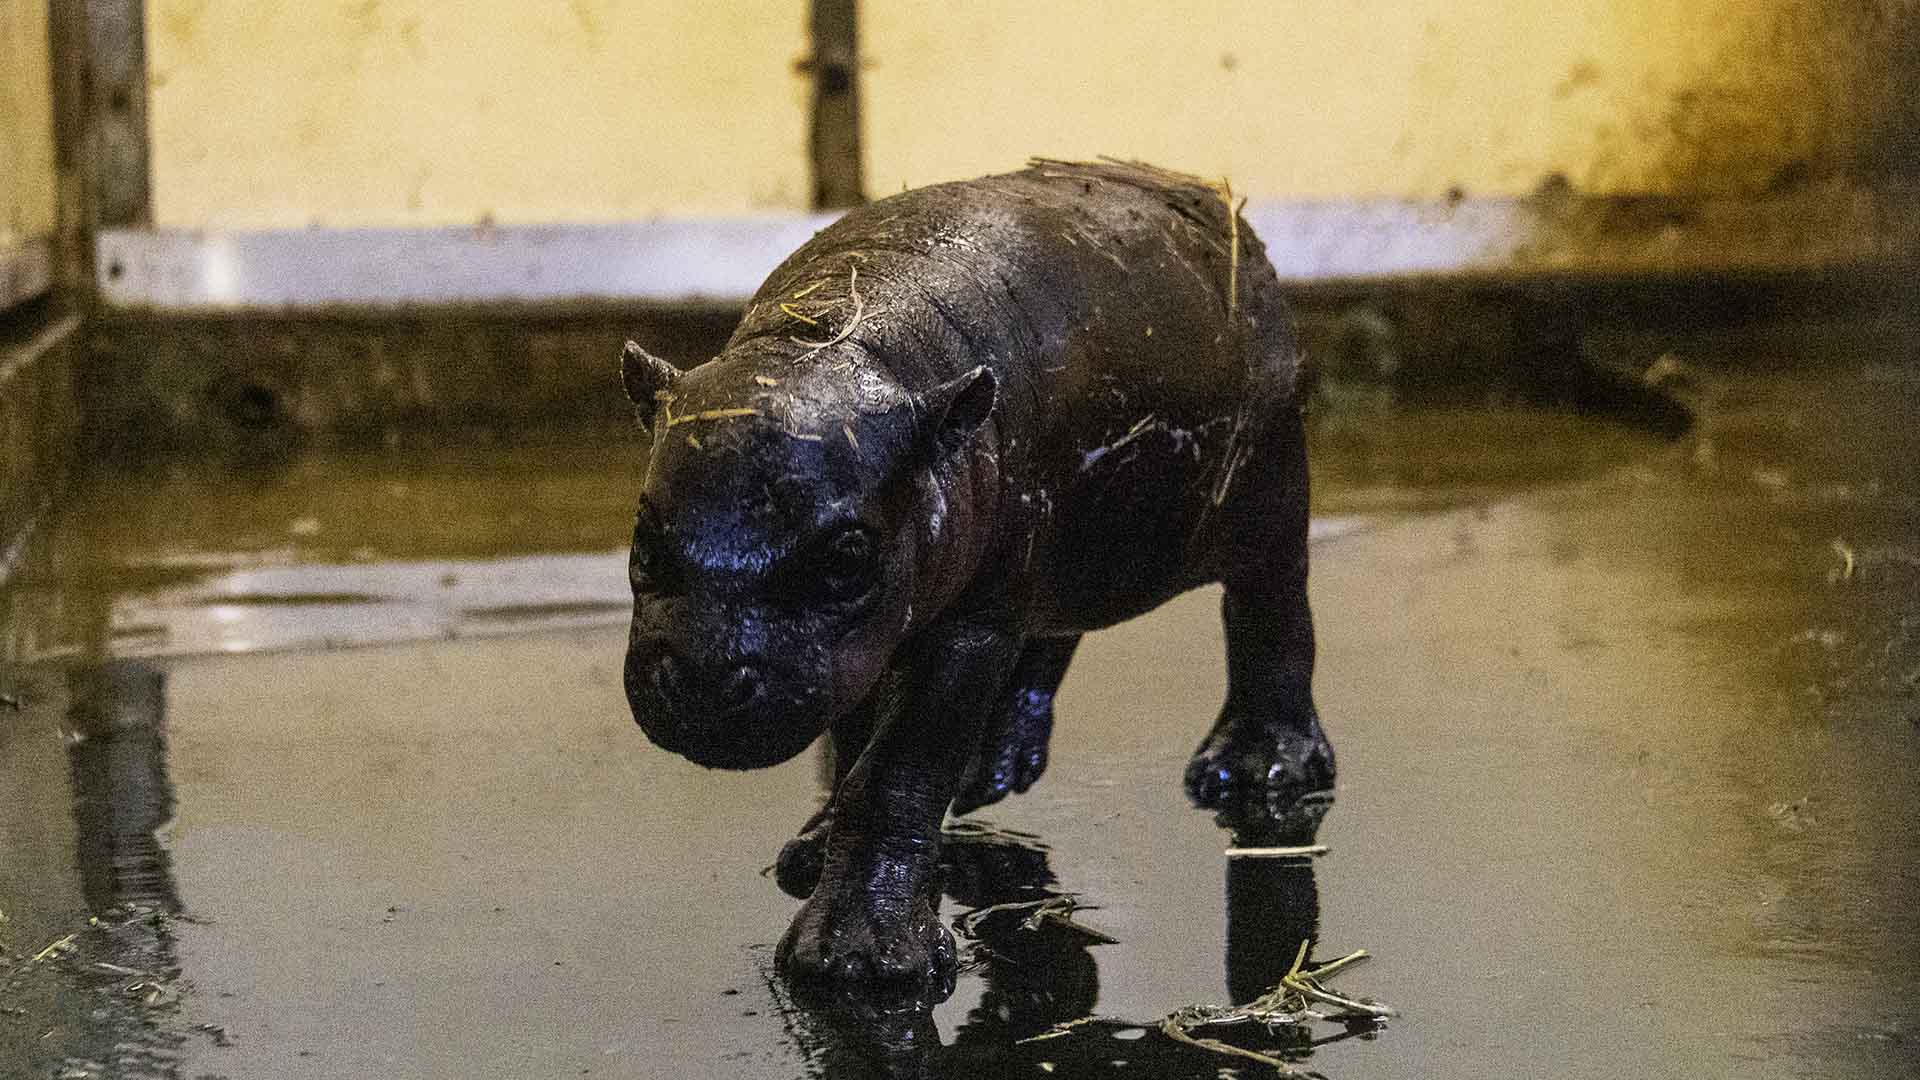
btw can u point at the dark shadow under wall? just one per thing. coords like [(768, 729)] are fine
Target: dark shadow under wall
[(39, 417)]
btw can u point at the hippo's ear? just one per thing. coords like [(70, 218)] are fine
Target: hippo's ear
[(954, 410), (646, 376)]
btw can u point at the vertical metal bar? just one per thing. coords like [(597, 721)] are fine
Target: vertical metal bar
[(99, 54), (835, 141), (116, 32), (67, 51)]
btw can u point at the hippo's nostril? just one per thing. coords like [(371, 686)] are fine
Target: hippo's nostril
[(739, 687), (684, 688)]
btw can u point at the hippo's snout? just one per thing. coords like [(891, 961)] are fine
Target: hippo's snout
[(724, 714)]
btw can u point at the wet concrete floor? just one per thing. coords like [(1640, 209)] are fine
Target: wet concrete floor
[(1628, 735)]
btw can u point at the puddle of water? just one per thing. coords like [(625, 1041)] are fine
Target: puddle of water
[(1606, 807), (356, 549)]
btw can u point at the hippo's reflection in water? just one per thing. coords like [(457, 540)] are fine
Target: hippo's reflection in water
[(116, 734), (1037, 1011), (1038, 972), (107, 988)]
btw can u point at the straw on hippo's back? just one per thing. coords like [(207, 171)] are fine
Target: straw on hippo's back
[(955, 431)]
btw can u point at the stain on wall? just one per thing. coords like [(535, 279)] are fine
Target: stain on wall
[(1768, 96), (1339, 99), (26, 123)]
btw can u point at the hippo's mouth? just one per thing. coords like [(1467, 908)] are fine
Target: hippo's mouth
[(731, 744), (747, 751)]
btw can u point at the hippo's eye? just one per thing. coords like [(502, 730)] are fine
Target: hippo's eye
[(648, 568), (640, 566), (847, 562)]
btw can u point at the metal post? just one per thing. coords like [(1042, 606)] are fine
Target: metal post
[(99, 57), (835, 141)]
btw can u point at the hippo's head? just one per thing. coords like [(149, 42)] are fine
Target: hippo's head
[(782, 541)]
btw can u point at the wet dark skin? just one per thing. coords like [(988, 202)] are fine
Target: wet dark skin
[(955, 431)]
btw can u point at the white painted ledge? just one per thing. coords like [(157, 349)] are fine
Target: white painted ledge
[(689, 260), (26, 271), (665, 260)]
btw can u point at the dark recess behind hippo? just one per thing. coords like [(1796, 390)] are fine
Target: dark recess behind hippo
[(955, 431)]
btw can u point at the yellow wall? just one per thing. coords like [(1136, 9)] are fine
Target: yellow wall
[(1343, 98), (416, 112), (26, 123)]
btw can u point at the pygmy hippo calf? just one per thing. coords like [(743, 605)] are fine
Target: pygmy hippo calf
[(955, 431)]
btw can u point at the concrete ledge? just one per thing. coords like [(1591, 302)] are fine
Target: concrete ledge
[(253, 347), (252, 387), (724, 260), (26, 271)]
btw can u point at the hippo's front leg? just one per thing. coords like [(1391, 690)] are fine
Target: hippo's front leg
[(797, 870), (871, 927)]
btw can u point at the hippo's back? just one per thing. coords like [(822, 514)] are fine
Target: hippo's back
[(1140, 340)]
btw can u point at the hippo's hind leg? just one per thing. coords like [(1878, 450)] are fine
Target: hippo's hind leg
[(1266, 768), (1013, 750)]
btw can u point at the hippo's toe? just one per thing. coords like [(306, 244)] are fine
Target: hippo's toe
[(797, 869)]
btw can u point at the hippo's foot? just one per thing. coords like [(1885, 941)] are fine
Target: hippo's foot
[(848, 951), (797, 870), (1013, 750), (1268, 783), (1009, 760)]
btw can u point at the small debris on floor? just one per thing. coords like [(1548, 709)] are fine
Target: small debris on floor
[(1056, 910), (58, 948), (1302, 851), (216, 1032), (1301, 997)]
